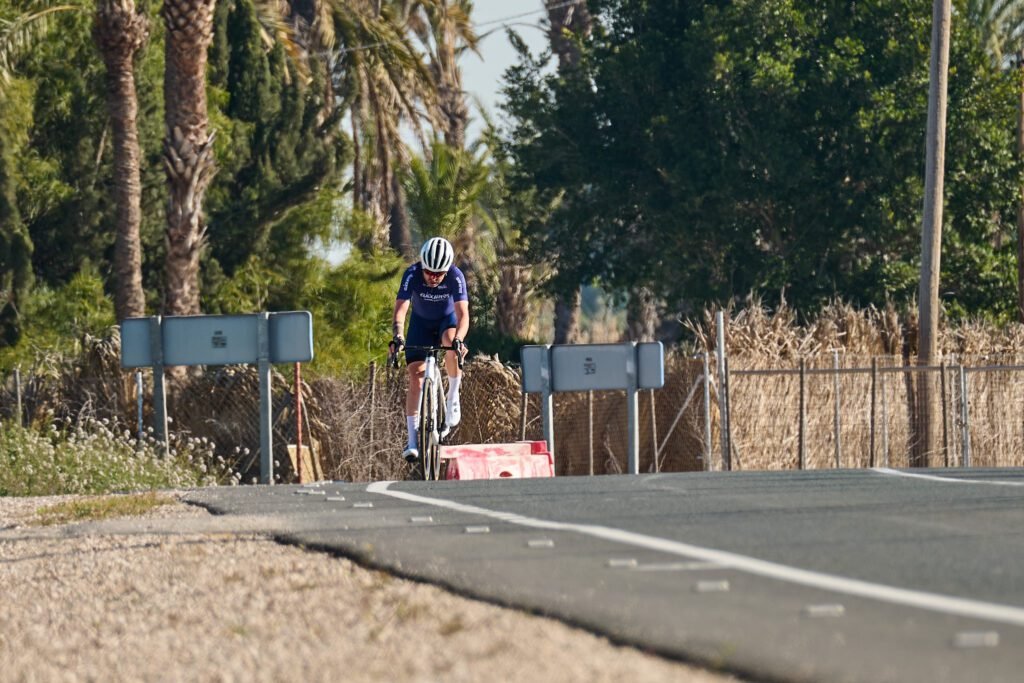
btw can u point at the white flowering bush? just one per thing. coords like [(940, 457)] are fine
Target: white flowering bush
[(88, 456)]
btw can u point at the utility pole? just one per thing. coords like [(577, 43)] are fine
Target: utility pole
[(931, 228)]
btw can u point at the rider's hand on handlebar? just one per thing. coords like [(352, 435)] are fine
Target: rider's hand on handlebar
[(394, 347), (460, 347)]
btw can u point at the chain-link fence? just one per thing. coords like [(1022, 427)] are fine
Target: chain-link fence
[(864, 412), (823, 412)]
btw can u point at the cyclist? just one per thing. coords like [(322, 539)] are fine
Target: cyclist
[(435, 289)]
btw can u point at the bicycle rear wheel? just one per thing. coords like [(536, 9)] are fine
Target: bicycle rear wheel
[(428, 427)]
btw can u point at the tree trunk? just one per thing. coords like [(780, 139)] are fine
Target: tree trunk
[(512, 304), (931, 232), (358, 193), (120, 32), (400, 237), (571, 17), (567, 317), (188, 148), (641, 316)]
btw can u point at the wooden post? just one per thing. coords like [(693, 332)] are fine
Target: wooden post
[(835, 418), (654, 435), (802, 444), (885, 423), (590, 429), (523, 404), (945, 414), (874, 384), (373, 398), (728, 420), (707, 414), (965, 419), (17, 395)]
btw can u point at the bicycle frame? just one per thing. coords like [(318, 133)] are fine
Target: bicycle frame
[(432, 428)]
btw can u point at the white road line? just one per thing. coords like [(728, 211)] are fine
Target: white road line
[(900, 596), (947, 480)]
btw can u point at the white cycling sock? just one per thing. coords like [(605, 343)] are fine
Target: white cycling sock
[(453, 386), (411, 422)]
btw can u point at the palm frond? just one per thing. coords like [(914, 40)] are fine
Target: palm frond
[(18, 35)]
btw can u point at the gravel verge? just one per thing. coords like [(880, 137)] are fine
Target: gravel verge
[(151, 599)]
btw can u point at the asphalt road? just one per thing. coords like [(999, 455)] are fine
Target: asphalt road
[(856, 575)]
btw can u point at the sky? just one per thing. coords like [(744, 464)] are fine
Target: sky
[(481, 75)]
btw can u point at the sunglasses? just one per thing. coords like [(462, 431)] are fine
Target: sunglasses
[(433, 273)]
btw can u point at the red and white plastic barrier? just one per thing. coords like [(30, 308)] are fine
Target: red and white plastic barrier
[(499, 460)]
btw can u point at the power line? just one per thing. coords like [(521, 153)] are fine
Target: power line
[(547, 8), (502, 21)]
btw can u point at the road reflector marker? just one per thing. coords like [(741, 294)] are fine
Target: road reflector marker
[(421, 520), (815, 611), (678, 566), (623, 563), (478, 529), (712, 587), (968, 639), (540, 543), (335, 498), (362, 505)]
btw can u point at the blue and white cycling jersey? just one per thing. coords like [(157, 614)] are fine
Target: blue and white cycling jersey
[(432, 303)]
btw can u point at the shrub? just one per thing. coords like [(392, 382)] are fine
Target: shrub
[(89, 457)]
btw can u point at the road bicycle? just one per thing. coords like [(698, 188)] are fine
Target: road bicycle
[(432, 428)]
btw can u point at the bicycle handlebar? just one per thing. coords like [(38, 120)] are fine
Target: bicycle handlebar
[(393, 358)]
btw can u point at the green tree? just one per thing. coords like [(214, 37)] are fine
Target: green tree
[(279, 146), (1000, 26), (769, 146), (20, 29), (15, 243)]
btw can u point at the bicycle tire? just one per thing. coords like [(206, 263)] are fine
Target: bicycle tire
[(440, 420), (428, 414)]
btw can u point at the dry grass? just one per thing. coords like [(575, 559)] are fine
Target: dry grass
[(765, 409), (100, 507)]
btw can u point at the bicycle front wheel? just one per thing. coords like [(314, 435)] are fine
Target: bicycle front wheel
[(426, 438)]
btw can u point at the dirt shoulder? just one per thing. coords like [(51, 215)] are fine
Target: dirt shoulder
[(180, 595)]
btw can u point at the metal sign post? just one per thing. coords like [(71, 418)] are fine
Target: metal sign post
[(266, 410), (588, 367), (156, 352), (258, 338), (547, 405), (632, 416)]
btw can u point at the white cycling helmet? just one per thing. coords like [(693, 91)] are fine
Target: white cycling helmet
[(437, 254)]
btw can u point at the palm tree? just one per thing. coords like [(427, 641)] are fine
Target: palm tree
[(120, 31), (443, 191), (389, 84), (188, 147), (443, 27), (20, 32)]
